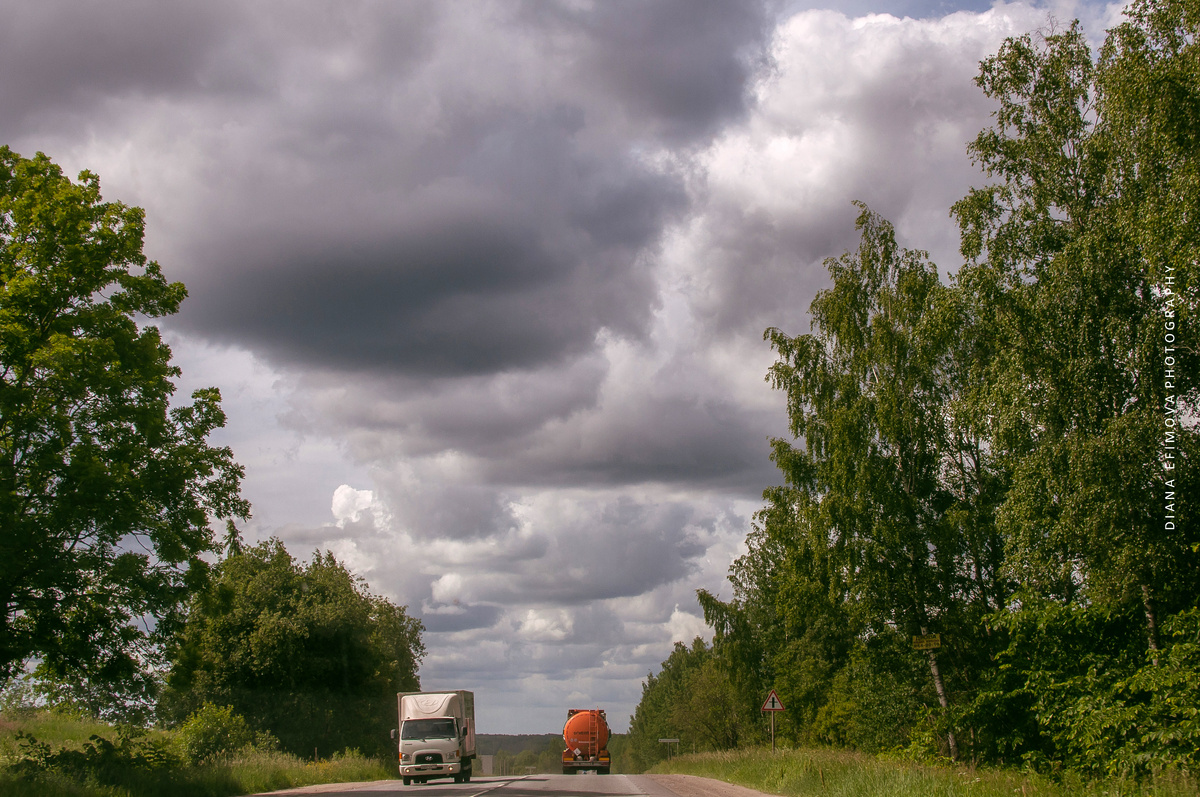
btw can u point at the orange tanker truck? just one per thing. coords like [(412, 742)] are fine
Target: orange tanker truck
[(586, 735)]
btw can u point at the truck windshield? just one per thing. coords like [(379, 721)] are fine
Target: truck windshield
[(438, 728)]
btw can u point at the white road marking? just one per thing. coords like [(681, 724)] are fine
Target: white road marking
[(500, 785)]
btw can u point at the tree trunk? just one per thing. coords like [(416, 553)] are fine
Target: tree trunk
[(941, 693), (1151, 621)]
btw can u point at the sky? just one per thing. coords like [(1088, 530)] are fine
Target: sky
[(484, 284)]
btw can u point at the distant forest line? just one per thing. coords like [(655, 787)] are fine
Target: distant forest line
[(515, 743)]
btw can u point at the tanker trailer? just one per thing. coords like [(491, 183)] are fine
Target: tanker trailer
[(586, 735)]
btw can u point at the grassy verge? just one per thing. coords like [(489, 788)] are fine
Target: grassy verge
[(238, 776), (244, 773), (267, 772), (839, 773)]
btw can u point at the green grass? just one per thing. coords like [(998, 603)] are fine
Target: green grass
[(840, 773), (58, 728), (245, 773), (270, 771)]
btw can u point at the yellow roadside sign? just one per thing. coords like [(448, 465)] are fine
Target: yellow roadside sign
[(927, 642)]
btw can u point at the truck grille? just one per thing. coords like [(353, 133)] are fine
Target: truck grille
[(429, 758)]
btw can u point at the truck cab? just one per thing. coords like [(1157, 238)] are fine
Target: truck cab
[(436, 736)]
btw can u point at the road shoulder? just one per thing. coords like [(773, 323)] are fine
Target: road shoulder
[(695, 786)]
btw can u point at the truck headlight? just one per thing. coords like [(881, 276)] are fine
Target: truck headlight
[(405, 757), (454, 755)]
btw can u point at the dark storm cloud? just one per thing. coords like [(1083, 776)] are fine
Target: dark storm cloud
[(61, 60), (546, 429), (579, 550), (680, 67), (490, 201), (918, 9), (488, 415), (459, 510), (679, 438), (451, 618), (477, 279), (427, 201)]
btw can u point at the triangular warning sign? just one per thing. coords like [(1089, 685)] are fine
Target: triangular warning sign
[(773, 703)]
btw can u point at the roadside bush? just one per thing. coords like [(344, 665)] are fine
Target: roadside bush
[(213, 731), (42, 753), (1147, 723), (100, 761)]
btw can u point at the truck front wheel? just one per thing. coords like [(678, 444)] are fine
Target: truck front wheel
[(407, 780)]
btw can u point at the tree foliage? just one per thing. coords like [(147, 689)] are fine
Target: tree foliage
[(693, 699), (302, 651), (1063, 258), (1083, 255), (877, 535), (106, 490), (1009, 459)]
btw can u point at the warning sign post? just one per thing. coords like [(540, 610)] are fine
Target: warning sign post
[(927, 642), (771, 705)]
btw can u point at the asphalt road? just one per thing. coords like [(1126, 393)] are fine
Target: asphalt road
[(538, 786)]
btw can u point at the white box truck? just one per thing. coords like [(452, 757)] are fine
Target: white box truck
[(436, 735)]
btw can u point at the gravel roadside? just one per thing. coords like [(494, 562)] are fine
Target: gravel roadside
[(694, 786)]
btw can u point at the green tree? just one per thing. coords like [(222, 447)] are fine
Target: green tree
[(655, 716), (301, 651), (788, 626), (884, 527), (1008, 459), (106, 491), (884, 496), (1082, 256), (708, 710), (618, 749)]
